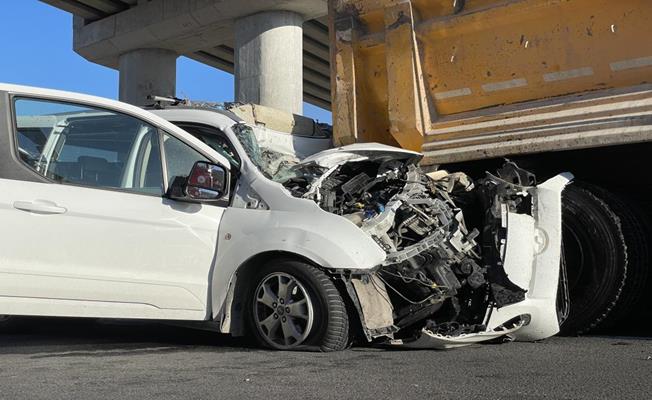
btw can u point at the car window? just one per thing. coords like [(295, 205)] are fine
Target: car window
[(179, 157), (215, 138), (88, 146)]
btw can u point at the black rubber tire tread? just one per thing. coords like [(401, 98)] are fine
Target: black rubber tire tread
[(636, 231), (592, 217), (337, 336), (330, 331), (9, 326)]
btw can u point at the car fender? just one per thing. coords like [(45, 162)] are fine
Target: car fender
[(327, 240)]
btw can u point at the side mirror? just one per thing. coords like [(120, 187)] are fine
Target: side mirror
[(206, 182)]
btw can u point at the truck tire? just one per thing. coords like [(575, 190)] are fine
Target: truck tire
[(7, 323), (595, 257), (636, 232), (295, 305)]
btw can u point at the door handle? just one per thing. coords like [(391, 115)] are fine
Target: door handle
[(39, 207)]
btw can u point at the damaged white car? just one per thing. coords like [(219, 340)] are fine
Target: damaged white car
[(415, 273), (228, 223)]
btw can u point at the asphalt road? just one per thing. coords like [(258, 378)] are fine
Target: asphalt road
[(53, 359)]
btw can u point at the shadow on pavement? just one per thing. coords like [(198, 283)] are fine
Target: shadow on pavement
[(75, 335), (34, 335)]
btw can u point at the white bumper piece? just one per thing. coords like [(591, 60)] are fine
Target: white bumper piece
[(429, 340), (532, 256)]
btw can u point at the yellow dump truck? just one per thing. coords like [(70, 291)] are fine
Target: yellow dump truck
[(555, 85)]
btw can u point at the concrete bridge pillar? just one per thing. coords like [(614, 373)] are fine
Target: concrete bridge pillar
[(269, 60), (145, 72)]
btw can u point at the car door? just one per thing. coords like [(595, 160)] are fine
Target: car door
[(95, 236)]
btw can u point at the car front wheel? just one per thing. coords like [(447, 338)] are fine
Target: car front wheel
[(295, 304)]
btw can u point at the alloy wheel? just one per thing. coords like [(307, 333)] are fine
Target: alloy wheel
[(283, 310)]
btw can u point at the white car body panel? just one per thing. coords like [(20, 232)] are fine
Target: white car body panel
[(147, 257), (544, 240)]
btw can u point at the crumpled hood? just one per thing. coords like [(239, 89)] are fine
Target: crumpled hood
[(359, 152)]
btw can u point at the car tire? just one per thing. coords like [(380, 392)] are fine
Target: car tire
[(595, 256), (294, 305)]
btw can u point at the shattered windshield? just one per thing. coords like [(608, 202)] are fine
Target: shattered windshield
[(295, 172), (247, 139), (272, 164)]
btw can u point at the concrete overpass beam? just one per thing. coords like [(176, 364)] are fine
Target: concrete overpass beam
[(145, 72), (269, 60)]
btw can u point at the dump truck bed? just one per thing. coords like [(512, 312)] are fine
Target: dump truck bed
[(473, 79)]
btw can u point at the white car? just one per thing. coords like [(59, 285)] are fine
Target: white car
[(111, 211)]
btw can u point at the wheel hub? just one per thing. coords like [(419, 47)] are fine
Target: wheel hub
[(283, 311)]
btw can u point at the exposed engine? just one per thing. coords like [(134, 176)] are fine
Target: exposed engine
[(439, 274)]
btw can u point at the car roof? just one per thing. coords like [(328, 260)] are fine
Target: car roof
[(198, 115)]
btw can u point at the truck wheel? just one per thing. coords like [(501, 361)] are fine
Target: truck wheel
[(595, 256), (635, 232), (6, 323), (295, 304)]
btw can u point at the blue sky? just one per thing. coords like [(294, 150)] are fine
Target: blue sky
[(37, 51)]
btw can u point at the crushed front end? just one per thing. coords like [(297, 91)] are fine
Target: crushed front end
[(466, 261)]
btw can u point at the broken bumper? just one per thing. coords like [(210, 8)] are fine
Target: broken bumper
[(531, 255), (532, 261)]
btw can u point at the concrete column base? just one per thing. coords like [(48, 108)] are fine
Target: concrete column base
[(269, 60), (145, 72)]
